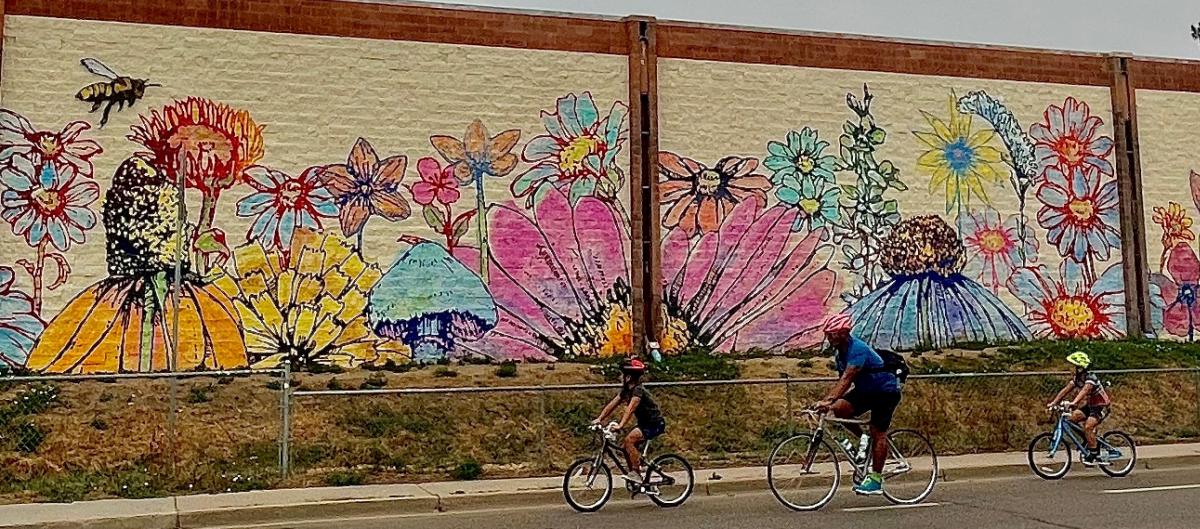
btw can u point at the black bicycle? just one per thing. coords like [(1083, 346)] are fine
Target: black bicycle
[(667, 480)]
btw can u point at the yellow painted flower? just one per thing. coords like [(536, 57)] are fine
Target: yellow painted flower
[(960, 162), (308, 306), (612, 336), (675, 337), (1175, 223)]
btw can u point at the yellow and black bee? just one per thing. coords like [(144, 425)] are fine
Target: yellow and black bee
[(119, 90)]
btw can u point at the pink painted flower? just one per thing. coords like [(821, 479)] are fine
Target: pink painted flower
[(52, 206), (436, 183), (560, 279), (1179, 291), (751, 284), (1070, 138), (18, 136)]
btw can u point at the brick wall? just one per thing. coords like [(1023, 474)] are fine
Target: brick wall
[(345, 178)]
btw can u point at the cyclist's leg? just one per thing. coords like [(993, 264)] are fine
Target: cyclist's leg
[(848, 407), (882, 410), (1077, 416), (632, 455), (1089, 431)]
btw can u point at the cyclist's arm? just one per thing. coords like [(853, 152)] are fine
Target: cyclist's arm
[(609, 408), (633, 402), (1082, 396), (843, 384), (1061, 394)]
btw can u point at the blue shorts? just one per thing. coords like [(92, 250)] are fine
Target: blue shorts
[(651, 431)]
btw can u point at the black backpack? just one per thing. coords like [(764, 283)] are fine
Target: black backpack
[(892, 363)]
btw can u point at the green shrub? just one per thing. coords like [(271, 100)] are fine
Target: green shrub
[(444, 372), (467, 470), (199, 394), (375, 381), (345, 479), (507, 370)]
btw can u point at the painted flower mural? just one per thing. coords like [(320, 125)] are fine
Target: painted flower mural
[(928, 302), (801, 158), (308, 310), (961, 163), (1069, 305), (20, 325), (578, 151), (994, 247), (212, 143), (120, 324), (1176, 227), (696, 198), (560, 281), (1080, 213), (1070, 138), (281, 203), (367, 186), (752, 284), (818, 202), (437, 192), (19, 138), (1179, 291)]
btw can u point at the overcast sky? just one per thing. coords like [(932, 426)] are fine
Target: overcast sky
[(1158, 28)]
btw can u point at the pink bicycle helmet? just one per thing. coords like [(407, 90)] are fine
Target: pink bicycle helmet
[(838, 323)]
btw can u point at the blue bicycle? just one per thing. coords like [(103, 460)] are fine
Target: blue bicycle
[(1050, 452)]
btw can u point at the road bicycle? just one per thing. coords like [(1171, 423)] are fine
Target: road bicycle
[(804, 470), (588, 484), (1050, 452)]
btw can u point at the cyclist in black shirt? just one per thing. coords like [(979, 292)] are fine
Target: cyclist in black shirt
[(650, 423)]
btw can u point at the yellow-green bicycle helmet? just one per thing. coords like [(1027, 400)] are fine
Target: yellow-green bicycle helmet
[(1079, 358)]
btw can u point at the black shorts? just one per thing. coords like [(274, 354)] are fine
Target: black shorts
[(653, 430), (1098, 412), (881, 405)]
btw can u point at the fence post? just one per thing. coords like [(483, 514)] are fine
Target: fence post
[(787, 391), (542, 424), (285, 426)]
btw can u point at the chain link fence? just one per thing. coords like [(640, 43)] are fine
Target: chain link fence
[(67, 438), (348, 436)]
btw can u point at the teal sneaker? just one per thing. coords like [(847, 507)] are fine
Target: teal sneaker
[(872, 486)]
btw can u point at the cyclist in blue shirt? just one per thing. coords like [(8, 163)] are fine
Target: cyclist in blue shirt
[(876, 389)]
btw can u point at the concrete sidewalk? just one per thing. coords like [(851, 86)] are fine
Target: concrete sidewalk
[(273, 506)]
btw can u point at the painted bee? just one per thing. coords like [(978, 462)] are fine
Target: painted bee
[(119, 90)]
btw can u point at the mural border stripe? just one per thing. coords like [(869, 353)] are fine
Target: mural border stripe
[(372, 20), (680, 40)]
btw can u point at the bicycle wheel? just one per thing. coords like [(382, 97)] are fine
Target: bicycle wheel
[(1047, 463), (911, 470), (1121, 453), (672, 476), (587, 487), (803, 472)]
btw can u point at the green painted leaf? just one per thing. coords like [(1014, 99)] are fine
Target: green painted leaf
[(434, 218)]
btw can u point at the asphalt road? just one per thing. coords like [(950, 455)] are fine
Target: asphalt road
[(1165, 499)]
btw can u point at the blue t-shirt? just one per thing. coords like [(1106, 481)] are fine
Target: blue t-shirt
[(860, 355)]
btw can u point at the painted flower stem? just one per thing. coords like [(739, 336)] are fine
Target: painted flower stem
[(480, 218), (39, 268)]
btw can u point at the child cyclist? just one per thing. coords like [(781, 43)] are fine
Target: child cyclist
[(650, 423), (1090, 406)]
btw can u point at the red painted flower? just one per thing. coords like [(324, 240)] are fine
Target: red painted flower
[(1070, 138), (1179, 291), (1080, 213), (18, 136), (436, 183), (1067, 306)]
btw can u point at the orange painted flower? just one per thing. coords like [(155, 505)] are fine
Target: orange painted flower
[(698, 198), (366, 186), (218, 143), (478, 153), (1175, 223)]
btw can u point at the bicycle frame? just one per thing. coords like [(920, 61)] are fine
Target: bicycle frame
[(1073, 433), (616, 455), (860, 467)]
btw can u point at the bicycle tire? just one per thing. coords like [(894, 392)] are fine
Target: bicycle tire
[(1128, 467), (1038, 469), (922, 459), (776, 467), (605, 495), (686, 470)]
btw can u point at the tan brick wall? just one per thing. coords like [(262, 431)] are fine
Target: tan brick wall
[(711, 110), (315, 96), (1167, 135)]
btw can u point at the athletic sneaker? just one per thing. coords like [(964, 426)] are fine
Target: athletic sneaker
[(1092, 460), (872, 486)]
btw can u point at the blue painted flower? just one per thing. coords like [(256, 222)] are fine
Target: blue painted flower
[(1079, 213), (51, 206), (283, 203), (817, 201), (19, 326), (578, 150), (800, 159)]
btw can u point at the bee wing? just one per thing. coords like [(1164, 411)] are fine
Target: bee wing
[(98, 68)]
